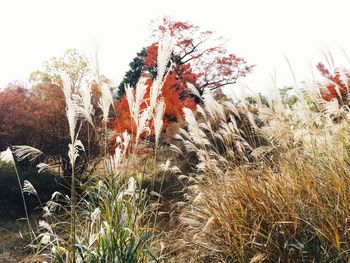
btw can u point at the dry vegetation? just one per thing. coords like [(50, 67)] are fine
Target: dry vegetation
[(271, 183), (262, 182)]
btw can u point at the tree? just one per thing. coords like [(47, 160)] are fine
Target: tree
[(204, 54), (133, 74), (51, 127), (75, 64), (16, 122), (37, 117), (197, 57), (195, 62)]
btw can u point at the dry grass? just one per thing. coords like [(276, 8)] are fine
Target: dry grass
[(283, 200), (264, 183), (300, 213)]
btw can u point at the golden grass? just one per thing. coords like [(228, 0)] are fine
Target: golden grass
[(287, 201), (300, 213)]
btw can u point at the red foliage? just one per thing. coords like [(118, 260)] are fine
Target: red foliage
[(179, 75), (151, 57), (211, 64), (178, 79), (335, 88), (123, 120), (35, 117), (171, 91), (15, 108), (173, 106), (195, 60)]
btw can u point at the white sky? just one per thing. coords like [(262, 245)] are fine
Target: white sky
[(262, 31)]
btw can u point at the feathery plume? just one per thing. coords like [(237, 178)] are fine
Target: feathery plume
[(164, 51), (43, 167), (71, 106), (126, 140), (197, 135), (24, 151), (7, 156), (215, 110), (74, 149), (85, 108), (29, 188), (135, 101), (129, 93), (67, 87), (71, 113), (193, 90), (142, 124), (106, 101)]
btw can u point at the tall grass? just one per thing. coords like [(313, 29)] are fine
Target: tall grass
[(111, 220), (266, 181), (271, 182)]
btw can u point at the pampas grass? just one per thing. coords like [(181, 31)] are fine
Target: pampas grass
[(105, 102), (86, 109), (7, 156), (271, 182), (297, 214), (155, 106), (165, 49), (265, 182), (135, 103), (72, 113), (26, 152), (111, 220)]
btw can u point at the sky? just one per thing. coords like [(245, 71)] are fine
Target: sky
[(265, 32)]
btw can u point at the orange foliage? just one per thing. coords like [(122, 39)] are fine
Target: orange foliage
[(14, 122), (211, 63), (151, 57), (173, 106), (335, 88), (192, 61), (172, 89), (35, 117)]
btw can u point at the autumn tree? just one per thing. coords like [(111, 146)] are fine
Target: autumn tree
[(75, 64), (51, 128), (198, 57), (16, 123), (198, 61), (36, 115)]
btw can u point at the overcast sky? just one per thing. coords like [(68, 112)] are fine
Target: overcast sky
[(262, 31)]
